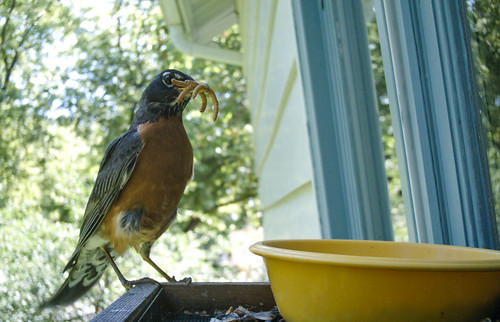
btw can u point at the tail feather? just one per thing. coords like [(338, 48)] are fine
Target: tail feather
[(88, 268), (67, 294)]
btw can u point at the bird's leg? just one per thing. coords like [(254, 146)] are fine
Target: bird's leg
[(145, 251), (126, 283)]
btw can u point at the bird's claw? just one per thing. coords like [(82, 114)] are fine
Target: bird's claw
[(185, 280), (145, 280)]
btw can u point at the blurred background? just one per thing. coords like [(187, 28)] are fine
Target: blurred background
[(71, 73)]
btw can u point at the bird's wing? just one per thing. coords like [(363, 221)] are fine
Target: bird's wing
[(116, 168)]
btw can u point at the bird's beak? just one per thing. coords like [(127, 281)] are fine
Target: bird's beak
[(194, 88)]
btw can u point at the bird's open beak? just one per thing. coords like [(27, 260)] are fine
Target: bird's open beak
[(194, 88)]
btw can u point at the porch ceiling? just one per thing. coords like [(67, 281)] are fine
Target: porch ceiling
[(201, 20)]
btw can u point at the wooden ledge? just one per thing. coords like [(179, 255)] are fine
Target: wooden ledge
[(152, 302)]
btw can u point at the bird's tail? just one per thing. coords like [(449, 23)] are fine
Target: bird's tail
[(88, 268)]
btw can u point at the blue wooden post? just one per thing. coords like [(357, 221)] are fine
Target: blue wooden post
[(349, 175), (437, 126)]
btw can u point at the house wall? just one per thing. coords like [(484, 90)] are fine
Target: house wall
[(282, 152)]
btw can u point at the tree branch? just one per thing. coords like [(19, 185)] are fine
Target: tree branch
[(10, 66), (242, 197), (8, 69), (4, 28)]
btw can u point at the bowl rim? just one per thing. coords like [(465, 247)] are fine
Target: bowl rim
[(266, 250)]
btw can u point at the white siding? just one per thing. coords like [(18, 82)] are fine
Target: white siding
[(282, 153)]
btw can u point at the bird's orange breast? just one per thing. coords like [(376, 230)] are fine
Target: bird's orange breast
[(162, 171)]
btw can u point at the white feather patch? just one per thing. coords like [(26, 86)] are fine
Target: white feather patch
[(90, 257)]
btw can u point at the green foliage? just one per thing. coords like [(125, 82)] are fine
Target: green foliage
[(26, 90), (485, 25)]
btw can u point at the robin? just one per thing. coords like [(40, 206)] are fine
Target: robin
[(140, 182)]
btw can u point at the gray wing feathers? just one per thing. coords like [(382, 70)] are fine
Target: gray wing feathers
[(116, 168)]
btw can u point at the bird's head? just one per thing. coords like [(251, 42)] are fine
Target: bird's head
[(160, 98), (163, 92)]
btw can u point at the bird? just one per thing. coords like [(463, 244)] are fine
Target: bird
[(141, 179)]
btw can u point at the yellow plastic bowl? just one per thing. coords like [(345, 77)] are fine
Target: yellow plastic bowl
[(348, 280)]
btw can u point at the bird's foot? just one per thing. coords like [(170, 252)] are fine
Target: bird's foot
[(145, 280), (185, 280)]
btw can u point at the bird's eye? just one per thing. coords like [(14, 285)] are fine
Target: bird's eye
[(167, 79)]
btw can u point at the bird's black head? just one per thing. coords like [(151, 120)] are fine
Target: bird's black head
[(159, 98)]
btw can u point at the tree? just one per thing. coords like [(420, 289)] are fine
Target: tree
[(27, 30)]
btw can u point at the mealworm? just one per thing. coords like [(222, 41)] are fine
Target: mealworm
[(196, 88)]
